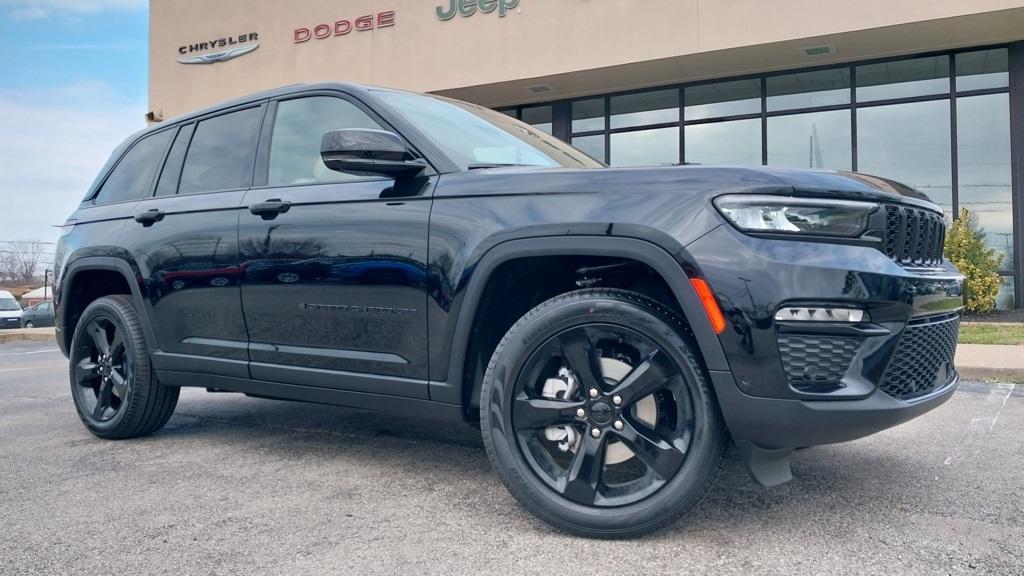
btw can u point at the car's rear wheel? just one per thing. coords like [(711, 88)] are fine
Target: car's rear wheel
[(598, 416), (113, 385)]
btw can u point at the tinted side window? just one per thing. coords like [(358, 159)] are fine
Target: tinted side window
[(133, 175), (295, 143), (168, 184), (222, 151)]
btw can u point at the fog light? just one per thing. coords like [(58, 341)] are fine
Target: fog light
[(809, 314)]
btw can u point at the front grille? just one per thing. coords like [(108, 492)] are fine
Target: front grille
[(816, 360), (923, 360), (914, 236)]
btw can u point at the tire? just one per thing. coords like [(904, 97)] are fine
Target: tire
[(29, 325), (113, 384), (581, 484)]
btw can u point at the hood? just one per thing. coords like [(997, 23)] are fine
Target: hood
[(709, 180), (11, 313)]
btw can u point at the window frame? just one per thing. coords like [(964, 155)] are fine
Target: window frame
[(562, 108), (167, 156)]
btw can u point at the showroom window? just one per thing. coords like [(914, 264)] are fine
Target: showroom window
[(733, 142), (539, 117), (909, 143), (811, 140), (938, 122), (903, 78)]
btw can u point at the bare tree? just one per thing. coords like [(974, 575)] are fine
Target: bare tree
[(8, 266), (21, 260)]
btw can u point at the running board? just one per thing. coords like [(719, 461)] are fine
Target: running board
[(766, 466)]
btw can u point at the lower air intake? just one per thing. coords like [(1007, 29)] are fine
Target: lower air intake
[(923, 361)]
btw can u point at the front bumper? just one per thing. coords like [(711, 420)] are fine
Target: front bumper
[(10, 323), (795, 384), (774, 423)]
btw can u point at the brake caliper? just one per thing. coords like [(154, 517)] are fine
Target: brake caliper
[(561, 388)]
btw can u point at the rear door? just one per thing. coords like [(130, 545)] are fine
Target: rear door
[(185, 239), (333, 288)]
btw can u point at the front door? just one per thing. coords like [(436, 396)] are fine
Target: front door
[(333, 266)]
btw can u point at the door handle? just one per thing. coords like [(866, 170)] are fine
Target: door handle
[(271, 208), (149, 217)]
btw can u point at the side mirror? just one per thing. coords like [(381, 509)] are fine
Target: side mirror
[(368, 151)]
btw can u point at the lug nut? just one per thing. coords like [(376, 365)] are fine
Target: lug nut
[(581, 413), (594, 393), (618, 425), (617, 400), (595, 432)]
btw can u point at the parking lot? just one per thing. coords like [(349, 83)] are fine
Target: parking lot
[(235, 485)]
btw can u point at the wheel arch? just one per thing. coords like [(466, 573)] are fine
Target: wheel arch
[(670, 268), (70, 304)]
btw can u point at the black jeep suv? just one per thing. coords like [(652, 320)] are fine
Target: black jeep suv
[(606, 328)]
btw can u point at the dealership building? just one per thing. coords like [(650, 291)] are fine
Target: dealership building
[(929, 92)]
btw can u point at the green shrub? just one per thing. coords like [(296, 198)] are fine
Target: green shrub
[(966, 249)]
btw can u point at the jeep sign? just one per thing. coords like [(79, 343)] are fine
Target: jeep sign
[(466, 8)]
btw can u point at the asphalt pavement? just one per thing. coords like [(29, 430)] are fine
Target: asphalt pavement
[(235, 485)]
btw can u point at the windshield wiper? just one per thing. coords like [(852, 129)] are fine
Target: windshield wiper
[(483, 166)]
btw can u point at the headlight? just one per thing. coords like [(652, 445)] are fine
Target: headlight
[(785, 214)]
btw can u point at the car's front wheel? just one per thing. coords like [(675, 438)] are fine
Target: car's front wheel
[(598, 416), (29, 324), (112, 382)]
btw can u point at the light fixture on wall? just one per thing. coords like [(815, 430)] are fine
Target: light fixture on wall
[(819, 50), (540, 88)]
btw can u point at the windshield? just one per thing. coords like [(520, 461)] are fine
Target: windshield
[(477, 137), (8, 304)]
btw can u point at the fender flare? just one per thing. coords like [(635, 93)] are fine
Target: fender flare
[(106, 263), (653, 255)]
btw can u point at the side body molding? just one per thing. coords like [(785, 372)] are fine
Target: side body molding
[(671, 269)]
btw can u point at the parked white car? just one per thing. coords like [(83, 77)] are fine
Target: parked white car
[(10, 311)]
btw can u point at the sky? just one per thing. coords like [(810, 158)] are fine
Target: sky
[(73, 85)]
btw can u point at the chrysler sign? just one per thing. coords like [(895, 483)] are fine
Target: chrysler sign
[(224, 49)]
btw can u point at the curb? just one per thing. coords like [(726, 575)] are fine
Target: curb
[(34, 335), (1009, 375)]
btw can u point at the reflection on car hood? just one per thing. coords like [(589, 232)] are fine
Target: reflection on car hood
[(707, 179)]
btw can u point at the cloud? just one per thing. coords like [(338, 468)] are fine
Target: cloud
[(52, 144), (20, 10)]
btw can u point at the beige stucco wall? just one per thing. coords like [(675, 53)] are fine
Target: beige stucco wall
[(574, 46)]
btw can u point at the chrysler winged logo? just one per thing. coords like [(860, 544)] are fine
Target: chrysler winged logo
[(234, 50)]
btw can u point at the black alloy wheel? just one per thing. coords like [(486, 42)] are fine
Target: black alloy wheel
[(102, 370), (112, 383), (602, 412), (597, 414)]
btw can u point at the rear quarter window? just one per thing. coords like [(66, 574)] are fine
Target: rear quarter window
[(132, 178)]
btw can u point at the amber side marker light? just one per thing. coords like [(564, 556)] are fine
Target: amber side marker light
[(710, 304)]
